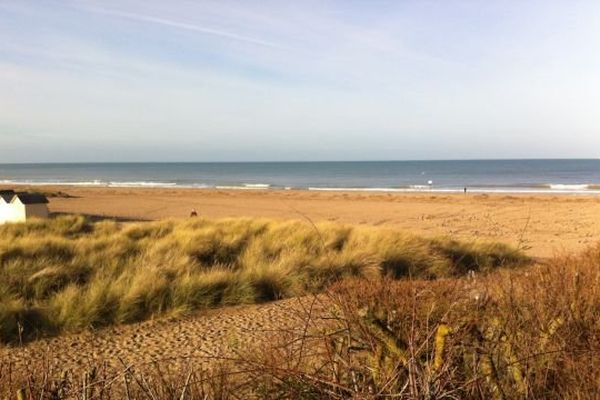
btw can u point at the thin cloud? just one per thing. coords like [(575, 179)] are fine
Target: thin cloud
[(185, 26)]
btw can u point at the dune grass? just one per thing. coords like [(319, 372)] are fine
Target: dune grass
[(531, 333), (69, 274), (527, 333)]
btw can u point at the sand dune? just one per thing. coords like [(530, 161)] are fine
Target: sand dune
[(203, 338), (543, 225)]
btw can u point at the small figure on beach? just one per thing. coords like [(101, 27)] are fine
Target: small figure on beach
[(194, 213), (465, 190)]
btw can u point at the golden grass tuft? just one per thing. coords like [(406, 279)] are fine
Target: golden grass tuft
[(74, 274), (532, 332)]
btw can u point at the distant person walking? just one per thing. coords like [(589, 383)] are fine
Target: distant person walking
[(194, 213), (465, 190)]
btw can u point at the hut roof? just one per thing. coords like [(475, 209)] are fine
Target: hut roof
[(31, 198), (7, 195)]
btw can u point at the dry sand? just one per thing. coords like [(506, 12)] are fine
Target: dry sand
[(201, 339), (541, 224)]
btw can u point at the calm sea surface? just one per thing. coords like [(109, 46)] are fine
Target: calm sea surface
[(551, 176)]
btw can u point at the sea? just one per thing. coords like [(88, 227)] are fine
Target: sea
[(572, 176)]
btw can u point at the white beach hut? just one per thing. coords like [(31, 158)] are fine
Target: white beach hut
[(19, 207)]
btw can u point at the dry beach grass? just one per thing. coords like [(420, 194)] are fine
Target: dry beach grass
[(527, 333), (398, 315), (68, 274)]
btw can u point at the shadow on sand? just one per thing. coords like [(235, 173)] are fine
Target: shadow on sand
[(98, 217)]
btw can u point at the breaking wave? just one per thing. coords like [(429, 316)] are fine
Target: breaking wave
[(561, 186)]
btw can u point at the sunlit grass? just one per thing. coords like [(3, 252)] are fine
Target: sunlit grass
[(69, 274)]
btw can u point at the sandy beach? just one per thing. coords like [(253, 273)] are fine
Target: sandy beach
[(543, 225)]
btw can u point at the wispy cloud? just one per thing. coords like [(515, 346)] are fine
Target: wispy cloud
[(284, 77), (185, 26)]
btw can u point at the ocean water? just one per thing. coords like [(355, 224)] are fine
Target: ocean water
[(518, 176)]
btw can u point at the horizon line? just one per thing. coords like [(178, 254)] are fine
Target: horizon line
[(301, 161)]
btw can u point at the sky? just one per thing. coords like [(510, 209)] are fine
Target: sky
[(305, 80)]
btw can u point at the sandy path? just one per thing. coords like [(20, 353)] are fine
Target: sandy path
[(173, 341), (543, 224)]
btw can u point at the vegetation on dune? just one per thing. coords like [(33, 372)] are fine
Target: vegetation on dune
[(532, 333), (527, 333), (70, 273)]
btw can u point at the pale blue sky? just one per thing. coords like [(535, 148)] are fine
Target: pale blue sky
[(298, 80)]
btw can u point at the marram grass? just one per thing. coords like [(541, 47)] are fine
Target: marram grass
[(68, 274)]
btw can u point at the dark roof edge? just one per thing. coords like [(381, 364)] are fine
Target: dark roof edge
[(30, 198)]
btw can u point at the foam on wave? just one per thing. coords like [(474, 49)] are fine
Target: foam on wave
[(562, 186)]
